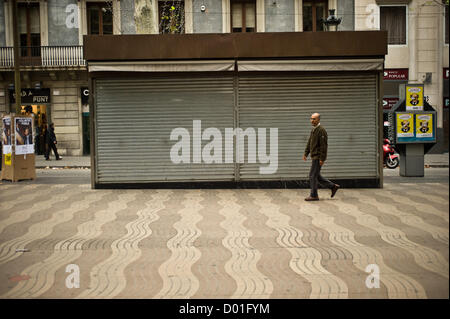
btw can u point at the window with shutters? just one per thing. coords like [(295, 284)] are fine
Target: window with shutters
[(29, 29), (243, 16), (393, 20)]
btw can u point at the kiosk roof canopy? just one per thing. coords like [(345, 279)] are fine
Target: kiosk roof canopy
[(235, 45)]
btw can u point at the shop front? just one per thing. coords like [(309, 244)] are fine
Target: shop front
[(35, 102), (234, 108)]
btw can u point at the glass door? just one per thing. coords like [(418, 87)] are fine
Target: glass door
[(314, 14)]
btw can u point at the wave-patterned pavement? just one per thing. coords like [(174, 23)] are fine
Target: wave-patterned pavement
[(221, 243)]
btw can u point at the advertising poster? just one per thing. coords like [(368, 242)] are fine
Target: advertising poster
[(414, 98), (405, 125), (8, 159), (424, 125), (24, 135), (6, 135)]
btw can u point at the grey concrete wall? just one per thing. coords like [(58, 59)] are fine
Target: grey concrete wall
[(2, 24), (128, 25), (280, 16), (209, 21), (346, 11), (58, 32)]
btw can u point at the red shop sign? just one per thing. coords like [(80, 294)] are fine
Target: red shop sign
[(396, 74), (389, 102)]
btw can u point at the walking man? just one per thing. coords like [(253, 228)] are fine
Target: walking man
[(317, 146), (50, 138)]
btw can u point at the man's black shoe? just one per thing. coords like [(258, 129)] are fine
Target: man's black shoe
[(310, 198), (334, 190)]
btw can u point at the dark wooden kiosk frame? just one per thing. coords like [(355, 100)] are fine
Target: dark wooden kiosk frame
[(299, 46)]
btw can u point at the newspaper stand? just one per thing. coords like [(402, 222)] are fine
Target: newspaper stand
[(414, 129), (18, 158)]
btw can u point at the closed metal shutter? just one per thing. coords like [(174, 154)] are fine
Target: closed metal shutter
[(348, 107), (135, 118)]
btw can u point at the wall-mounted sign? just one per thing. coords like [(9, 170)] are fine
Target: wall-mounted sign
[(414, 98), (396, 74), (84, 91), (31, 96), (389, 102), (446, 101), (445, 73)]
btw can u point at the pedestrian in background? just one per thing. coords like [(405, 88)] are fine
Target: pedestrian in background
[(318, 146), (50, 138)]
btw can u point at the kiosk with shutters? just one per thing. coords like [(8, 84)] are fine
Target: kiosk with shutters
[(161, 115)]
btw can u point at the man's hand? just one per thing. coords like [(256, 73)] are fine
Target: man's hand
[(321, 163), (304, 158)]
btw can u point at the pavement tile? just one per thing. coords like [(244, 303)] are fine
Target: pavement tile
[(219, 244)]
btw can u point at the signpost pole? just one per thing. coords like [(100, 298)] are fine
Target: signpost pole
[(16, 59)]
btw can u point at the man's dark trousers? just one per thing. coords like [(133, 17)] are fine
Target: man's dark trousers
[(51, 146), (315, 178)]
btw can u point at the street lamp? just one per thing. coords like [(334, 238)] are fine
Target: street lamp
[(332, 22)]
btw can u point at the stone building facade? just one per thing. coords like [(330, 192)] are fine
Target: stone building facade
[(52, 32)]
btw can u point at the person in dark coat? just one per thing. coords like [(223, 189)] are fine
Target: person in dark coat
[(317, 146), (50, 139)]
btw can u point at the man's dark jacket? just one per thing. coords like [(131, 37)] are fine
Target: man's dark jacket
[(50, 136), (317, 143)]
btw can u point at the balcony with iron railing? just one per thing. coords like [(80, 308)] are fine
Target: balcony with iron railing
[(43, 56)]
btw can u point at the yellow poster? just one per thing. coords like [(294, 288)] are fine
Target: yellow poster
[(405, 125), (414, 98), (8, 159), (424, 125)]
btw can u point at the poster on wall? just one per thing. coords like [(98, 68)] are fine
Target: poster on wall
[(24, 135), (414, 98), (6, 135), (405, 125), (424, 125)]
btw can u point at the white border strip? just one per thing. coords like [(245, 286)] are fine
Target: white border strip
[(312, 65), (162, 66)]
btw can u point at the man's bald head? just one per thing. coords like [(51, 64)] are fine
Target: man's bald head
[(315, 119)]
